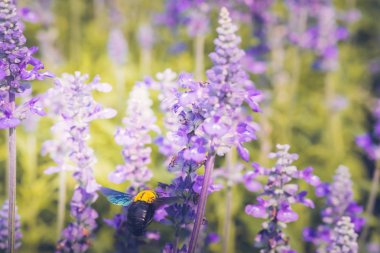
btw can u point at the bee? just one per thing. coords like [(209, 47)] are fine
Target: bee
[(141, 207)]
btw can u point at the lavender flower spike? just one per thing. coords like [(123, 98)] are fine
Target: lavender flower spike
[(275, 203), (17, 67), (339, 203), (77, 108), (134, 137), (4, 228), (344, 237)]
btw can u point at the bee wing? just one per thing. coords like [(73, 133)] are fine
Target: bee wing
[(116, 197), (165, 200)]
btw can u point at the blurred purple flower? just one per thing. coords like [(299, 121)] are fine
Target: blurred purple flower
[(39, 11), (190, 13), (339, 203), (262, 19), (4, 228), (71, 101), (344, 238), (117, 47), (373, 247), (146, 36)]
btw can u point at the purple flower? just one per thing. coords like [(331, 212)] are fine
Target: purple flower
[(251, 183), (181, 214), (4, 228), (73, 106), (286, 214), (197, 151), (309, 177), (197, 187), (259, 210), (275, 202)]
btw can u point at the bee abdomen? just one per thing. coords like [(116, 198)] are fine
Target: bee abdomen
[(140, 214)]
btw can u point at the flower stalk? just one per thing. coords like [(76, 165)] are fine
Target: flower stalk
[(209, 167), (228, 214), (61, 202), (371, 201), (11, 180), (199, 44)]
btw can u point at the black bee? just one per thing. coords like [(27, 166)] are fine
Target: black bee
[(141, 207)]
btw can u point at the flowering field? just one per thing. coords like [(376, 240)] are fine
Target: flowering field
[(189, 126)]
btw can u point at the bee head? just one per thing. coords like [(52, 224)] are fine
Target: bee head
[(147, 196)]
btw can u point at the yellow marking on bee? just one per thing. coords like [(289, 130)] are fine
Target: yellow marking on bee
[(147, 196)]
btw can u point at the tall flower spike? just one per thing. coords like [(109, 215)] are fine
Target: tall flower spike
[(17, 67), (229, 88), (76, 108), (340, 200), (4, 228), (344, 239), (210, 115), (339, 203), (275, 203), (134, 138)]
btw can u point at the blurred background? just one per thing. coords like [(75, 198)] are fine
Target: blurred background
[(319, 95)]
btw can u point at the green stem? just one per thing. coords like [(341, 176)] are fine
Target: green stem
[(11, 180), (265, 137), (334, 123), (145, 62), (61, 202), (32, 156), (176, 241), (120, 84), (75, 13), (371, 202), (199, 45)]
